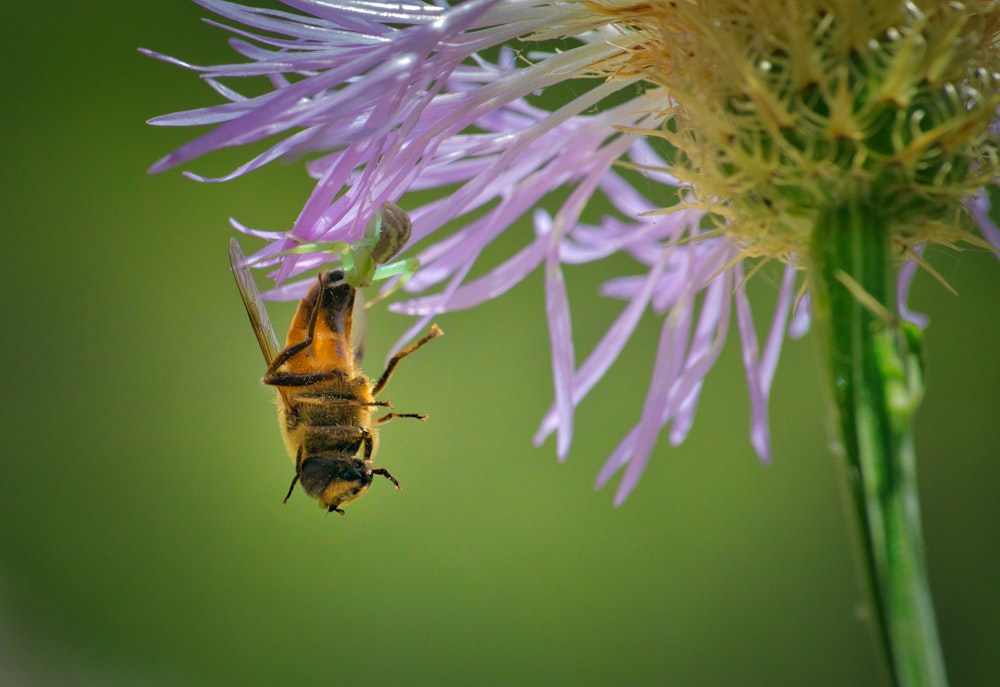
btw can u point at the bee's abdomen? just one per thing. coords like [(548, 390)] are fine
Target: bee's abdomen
[(333, 417), (343, 440)]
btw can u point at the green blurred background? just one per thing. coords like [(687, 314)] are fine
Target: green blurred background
[(143, 538)]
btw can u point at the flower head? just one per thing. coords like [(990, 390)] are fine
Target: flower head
[(743, 117)]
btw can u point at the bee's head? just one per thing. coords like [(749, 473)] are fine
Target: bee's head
[(335, 480)]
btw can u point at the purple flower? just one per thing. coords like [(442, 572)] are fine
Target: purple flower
[(387, 98)]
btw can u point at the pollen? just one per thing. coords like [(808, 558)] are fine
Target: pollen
[(772, 107)]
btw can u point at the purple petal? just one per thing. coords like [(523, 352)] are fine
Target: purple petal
[(759, 374), (493, 284), (801, 318), (776, 336), (980, 206), (709, 338), (561, 337), (673, 339), (609, 347), (687, 372), (906, 274)]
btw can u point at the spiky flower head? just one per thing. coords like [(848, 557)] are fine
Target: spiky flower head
[(777, 107)]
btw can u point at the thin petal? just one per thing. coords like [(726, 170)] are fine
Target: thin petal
[(759, 374), (709, 338), (980, 206), (561, 337), (489, 286), (801, 318), (609, 347), (906, 274), (673, 336), (776, 335)]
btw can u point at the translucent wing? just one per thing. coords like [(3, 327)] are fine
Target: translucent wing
[(359, 332), (254, 304)]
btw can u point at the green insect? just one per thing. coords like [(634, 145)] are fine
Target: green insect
[(367, 260)]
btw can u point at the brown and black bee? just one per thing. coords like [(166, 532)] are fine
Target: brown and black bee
[(325, 402)]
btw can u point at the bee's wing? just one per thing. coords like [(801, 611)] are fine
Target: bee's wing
[(359, 330), (254, 304)]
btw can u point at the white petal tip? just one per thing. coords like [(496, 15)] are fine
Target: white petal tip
[(763, 453), (624, 490), (563, 442)]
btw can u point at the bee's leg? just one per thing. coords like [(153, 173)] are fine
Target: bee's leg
[(394, 360), (385, 473), (286, 354), (369, 442), (283, 357), (298, 469), (302, 378), (332, 397), (392, 416), (291, 488)]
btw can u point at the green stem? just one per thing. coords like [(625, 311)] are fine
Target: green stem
[(876, 379)]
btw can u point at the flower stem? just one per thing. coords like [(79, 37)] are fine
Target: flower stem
[(876, 378)]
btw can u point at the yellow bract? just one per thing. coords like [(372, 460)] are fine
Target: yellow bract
[(775, 106)]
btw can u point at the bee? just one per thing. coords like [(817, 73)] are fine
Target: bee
[(325, 402)]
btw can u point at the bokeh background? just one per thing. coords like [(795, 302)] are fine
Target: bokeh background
[(143, 539)]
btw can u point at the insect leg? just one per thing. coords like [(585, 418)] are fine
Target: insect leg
[(392, 416), (304, 379), (369, 443), (331, 397), (298, 469), (385, 473), (394, 360), (404, 269), (287, 353), (291, 488), (369, 450)]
